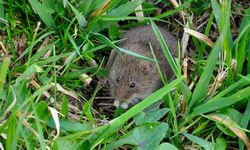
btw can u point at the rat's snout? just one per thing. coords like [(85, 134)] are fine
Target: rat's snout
[(121, 94)]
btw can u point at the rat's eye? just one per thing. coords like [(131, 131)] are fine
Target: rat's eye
[(132, 85), (118, 78)]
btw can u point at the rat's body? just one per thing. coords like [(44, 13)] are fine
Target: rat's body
[(132, 79)]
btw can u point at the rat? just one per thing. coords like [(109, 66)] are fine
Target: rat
[(132, 79)]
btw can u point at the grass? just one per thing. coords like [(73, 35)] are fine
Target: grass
[(52, 54)]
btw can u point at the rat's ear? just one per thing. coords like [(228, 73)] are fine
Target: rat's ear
[(111, 59)]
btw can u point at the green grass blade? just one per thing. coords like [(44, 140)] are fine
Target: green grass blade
[(74, 44), (84, 7), (244, 28), (1, 10), (3, 72), (201, 87), (118, 18), (178, 9), (118, 122), (81, 19), (39, 127), (221, 19), (217, 11), (28, 72), (244, 122), (123, 10), (41, 52), (241, 46), (164, 47), (186, 91), (28, 49), (208, 28), (105, 40), (45, 16), (242, 82), (11, 142), (246, 20), (219, 103), (248, 64), (52, 59)]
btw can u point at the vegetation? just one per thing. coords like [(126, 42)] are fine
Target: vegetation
[(52, 53)]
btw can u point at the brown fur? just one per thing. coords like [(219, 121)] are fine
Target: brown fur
[(126, 70)]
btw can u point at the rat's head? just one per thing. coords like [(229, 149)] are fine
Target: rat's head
[(132, 79)]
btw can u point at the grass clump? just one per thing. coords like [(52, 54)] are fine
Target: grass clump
[(53, 52)]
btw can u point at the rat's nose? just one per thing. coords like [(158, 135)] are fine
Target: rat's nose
[(124, 106)]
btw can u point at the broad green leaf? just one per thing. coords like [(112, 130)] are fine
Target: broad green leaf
[(45, 16), (141, 137), (152, 115), (220, 144), (84, 145), (204, 143), (167, 146), (69, 126), (64, 108), (64, 145), (42, 111)]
